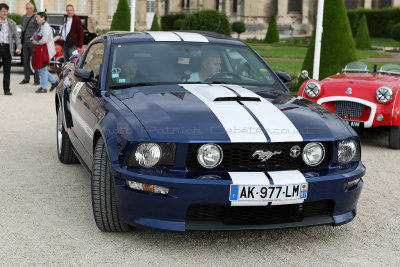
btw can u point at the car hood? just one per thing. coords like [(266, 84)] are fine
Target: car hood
[(363, 85), (211, 113)]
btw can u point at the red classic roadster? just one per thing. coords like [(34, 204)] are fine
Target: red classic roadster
[(362, 98)]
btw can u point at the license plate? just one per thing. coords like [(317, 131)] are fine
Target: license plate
[(359, 124), (269, 193)]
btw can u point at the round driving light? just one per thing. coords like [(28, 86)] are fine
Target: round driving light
[(312, 89), (379, 117), (347, 151), (209, 155), (313, 153), (384, 94), (148, 154)]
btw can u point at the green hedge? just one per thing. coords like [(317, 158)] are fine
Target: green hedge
[(168, 21), (380, 21), (122, 17), (272, 35), (15, 17), (208, 20), (337, 45), (154, 24), (362, 37)]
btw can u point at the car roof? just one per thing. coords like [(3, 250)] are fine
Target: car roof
[(120, 37)]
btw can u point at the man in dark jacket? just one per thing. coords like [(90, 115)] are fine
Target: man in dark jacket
[(29, 27), (8, 35), (72, 33)]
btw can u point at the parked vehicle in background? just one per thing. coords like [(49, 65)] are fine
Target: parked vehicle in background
[(362, 98), (56, 21)]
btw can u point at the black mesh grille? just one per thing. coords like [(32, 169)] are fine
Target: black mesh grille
[(259, 215), (349, 109), (239, 157)]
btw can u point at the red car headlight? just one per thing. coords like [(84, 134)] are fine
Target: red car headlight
[(312, 89), (384, 94)]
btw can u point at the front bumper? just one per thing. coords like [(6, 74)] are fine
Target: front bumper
[(169, 212)]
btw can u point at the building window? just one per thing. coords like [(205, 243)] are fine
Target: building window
[(235, 6), (381, 3), (295, 6), (352, 4), (112, 6), (151, 6), (83, 6), (13, 6)]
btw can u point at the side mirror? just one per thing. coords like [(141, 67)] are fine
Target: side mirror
[(284, 76), (86, 75), (304, 74)]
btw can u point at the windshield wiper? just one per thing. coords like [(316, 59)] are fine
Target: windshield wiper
[(123, 86)]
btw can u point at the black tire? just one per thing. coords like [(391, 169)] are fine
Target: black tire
[(64, 147), (394, 137), (103, 193)]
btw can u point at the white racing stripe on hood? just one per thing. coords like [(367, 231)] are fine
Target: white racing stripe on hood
[(249, 178), (287, 178), (235, 119), (165, 36), (274, 121)]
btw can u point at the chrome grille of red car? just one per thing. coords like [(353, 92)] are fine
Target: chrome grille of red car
[(349, 109)]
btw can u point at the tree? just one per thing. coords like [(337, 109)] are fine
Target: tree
[(337, 44), (34, 5), (208, 20), (362, 37), (238, 27), (154, 24), (122, 17), (272, 35)]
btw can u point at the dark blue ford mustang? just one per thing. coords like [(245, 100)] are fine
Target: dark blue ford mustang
[(184, 130)]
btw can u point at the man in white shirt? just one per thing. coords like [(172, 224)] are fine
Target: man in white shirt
[(8, 35)]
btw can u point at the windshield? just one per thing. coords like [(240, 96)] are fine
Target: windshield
[(55, 19), (390, 68), (356, 66), (177, 63)]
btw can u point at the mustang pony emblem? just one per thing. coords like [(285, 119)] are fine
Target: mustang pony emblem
[(265, 155)]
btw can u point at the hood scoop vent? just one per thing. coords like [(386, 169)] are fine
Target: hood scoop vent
[(237, 98)]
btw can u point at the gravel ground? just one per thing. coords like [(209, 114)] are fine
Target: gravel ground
[(46, 216)]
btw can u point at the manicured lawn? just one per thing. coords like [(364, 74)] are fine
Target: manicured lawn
[(285, 51), (385, 42)]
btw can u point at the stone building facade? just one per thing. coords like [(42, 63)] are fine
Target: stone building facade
[(255, 13)]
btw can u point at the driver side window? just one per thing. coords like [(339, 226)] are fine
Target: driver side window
[(94, 58)]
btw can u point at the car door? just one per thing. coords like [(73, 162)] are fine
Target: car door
[(86, 103)]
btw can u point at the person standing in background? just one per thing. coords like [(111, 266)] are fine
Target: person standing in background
[(29, 27), (72, 33), (44, 51), (8, 35)]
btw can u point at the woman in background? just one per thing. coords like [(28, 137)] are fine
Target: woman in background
[(44, 51)]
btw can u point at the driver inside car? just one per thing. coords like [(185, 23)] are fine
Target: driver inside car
[(210, 65), (128, 71)]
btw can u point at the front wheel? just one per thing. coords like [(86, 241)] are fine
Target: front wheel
[(394, 137), (104, 202)]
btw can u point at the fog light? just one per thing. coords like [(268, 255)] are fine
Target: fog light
[(379, 117), (148, 187), (352, 183)]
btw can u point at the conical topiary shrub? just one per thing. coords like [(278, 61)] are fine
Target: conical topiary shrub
[(34, 5), (338, 47), (272, 35), (154, 25), (122, 17), (362, 37)]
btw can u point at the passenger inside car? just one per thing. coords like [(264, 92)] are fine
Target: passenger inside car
[(210, 65)]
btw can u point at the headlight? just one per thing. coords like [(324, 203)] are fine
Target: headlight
[(348, 151), (148, 154), (313, 153), (384, 94), (313, 89), (209, 155)]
